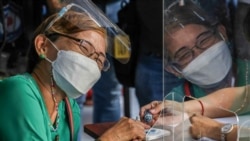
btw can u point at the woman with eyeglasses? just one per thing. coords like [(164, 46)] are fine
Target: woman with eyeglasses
[(196, 49), (66, 60), (226, 102)]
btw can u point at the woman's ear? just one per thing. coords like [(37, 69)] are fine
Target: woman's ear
[(222, 31), (40, 44)]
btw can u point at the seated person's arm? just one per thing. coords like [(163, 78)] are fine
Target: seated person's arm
[(233, 99)]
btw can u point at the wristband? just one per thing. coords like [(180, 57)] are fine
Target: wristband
[(202, 107)]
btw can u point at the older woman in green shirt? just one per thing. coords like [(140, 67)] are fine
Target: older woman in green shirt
[(65, 61)]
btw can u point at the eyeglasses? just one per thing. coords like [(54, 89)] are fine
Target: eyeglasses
[(89, 50), (185, 55)]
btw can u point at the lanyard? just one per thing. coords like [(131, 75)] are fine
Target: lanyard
[(187, 89), (70, 118)]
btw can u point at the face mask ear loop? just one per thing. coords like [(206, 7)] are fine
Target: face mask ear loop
[(53, 44), (48, 60), (222, 36), (54, 47)]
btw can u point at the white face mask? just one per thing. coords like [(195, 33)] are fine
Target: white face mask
[(210, 67), (74, 73)]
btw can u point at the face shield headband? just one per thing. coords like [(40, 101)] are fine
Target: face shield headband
[(182, 12), (118, 43)]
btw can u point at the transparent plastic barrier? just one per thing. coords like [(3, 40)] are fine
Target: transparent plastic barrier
[(244, 128), (168, 127), (231, 118), (174, 123)]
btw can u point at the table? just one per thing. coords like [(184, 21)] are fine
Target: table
[(97, 129)]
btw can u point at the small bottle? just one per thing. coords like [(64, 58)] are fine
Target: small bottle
[(148, 116)]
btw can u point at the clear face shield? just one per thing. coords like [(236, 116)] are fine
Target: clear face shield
[(193, 45), (118, 43), (181, 18)]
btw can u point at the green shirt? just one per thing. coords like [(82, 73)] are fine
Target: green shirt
[(24, 116), (178, 93), (243, 72)]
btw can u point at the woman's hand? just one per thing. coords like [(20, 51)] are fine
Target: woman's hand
[(156, 108), (153, 108), (205, 127), (126, 130)]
